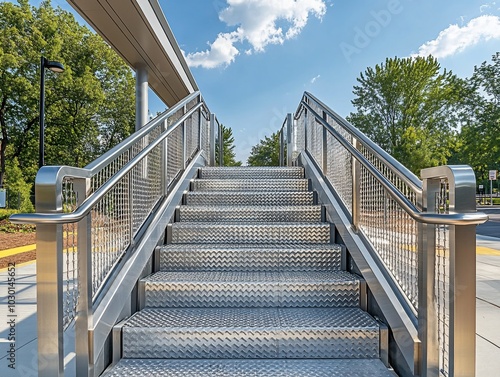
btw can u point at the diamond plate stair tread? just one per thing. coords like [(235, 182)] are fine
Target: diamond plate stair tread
[(197, 198), (251, 213), (251, 333), (244, 257), (249, 368), (249, 185), (257, 172), (261, 233), (252, 289)]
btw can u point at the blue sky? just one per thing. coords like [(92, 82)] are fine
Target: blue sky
[(253, 59)]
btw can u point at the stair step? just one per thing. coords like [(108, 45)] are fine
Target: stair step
[(241, 257), (250, 368), (259, 233), (251, 289), (249, 185), (251, 213), (276, 198), (260, 172), (287, 333)]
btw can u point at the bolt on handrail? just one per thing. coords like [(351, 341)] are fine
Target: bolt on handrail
[(407, 223)]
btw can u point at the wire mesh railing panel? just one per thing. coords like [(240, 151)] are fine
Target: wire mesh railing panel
[(339, 170), (102, 176), (70, 256), (193, 134), (173, 118), (442, 281), (388, 173), (111, 231), (298, 135), (175, 158), (392, 232), (146, 183), (315, 139), (205, 134)]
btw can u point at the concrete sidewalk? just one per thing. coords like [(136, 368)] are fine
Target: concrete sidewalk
[(26, 364), (21, 313), (488, 308)]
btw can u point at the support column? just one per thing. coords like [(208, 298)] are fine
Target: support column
[(141, 96)]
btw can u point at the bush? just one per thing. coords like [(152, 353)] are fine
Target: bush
[(5, 213), (17, 186)]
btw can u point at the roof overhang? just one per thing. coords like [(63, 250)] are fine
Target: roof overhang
[(138, 31)]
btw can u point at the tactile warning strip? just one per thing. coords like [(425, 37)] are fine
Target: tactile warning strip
[(251, 333), (251, 289), (249, 368), (242, 257)]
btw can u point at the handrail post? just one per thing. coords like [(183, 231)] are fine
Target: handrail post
[(221, 146), (282, 149), (305, 129), (184, 141), (213, 139), (356, 188), (84, 346), (164, 160), (289, 130), (462, 272), (428, 357), (49, 274), (325, 146)]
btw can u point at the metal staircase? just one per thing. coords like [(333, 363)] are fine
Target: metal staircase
[(250, 285)]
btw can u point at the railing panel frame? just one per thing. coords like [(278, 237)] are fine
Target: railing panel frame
[(416, 201)]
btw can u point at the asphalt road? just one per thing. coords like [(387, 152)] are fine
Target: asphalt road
[(492, 226)]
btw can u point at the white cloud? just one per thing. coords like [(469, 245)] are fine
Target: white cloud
[(222, 51), (258, 23), (455, 39), (314, 79), (483, 8)]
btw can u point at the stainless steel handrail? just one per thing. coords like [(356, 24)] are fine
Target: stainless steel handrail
[(148, 164), (418, 235), (84, 209), (399, 169), (409, 207)]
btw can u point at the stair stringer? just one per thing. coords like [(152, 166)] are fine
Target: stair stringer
[(389, 305)]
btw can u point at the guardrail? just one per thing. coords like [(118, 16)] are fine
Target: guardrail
[(422, 233), (89, 220)]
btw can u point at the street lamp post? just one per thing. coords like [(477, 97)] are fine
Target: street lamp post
[(57, 68)]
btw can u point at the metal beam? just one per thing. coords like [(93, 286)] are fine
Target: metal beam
[(139, 32)]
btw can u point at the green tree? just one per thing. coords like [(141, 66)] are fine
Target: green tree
[(18, 189), (480, 136), (89, 107), (411, 109), (228, 147), (266, 153)]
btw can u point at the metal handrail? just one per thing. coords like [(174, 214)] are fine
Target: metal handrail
[(417, 262), (108, 229), (399, 169), (84, 209), (408, 206), (102, 161)]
